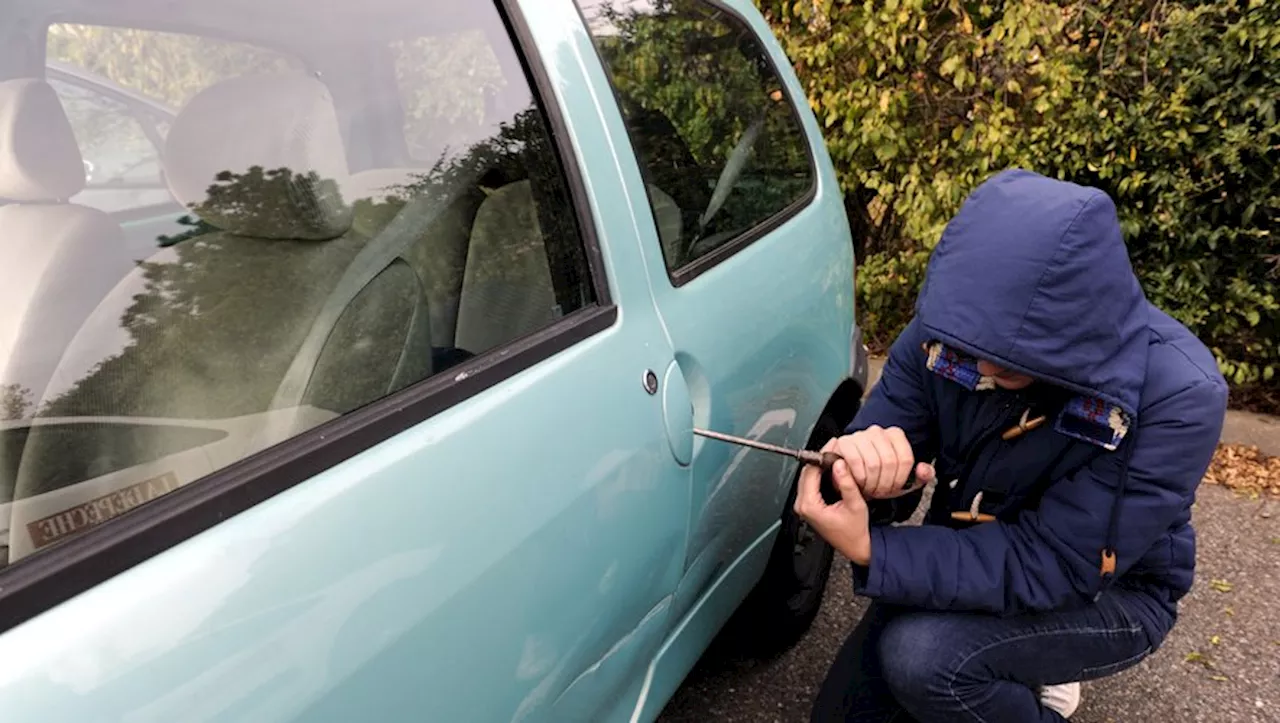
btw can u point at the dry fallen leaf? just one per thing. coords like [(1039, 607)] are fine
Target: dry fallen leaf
[(1220, 585), (1196, 656), (1245, 470), (1215, 640)]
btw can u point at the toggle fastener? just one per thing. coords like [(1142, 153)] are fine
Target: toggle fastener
[(1024, 425), (973, 515)]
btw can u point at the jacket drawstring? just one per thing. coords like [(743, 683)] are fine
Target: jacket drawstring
[(1107, 568)]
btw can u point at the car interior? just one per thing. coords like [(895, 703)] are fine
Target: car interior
[(320, 247)]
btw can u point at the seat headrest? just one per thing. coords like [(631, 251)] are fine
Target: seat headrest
[(39, 157), (261, 156)]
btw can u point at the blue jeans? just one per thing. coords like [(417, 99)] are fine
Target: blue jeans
[(901, 665)]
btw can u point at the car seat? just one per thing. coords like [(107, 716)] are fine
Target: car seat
[(438, 258), (508, 285), (60, 259)]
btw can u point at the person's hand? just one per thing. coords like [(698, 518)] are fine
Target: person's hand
[(845, 524), (881, 461)]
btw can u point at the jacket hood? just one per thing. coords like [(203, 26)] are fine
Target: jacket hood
[(1033, 274)]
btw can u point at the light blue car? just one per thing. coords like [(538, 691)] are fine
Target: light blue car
[(362, 386)]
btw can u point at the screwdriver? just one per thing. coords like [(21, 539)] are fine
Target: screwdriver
[(823, 460)]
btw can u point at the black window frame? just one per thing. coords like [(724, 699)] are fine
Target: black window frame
[(67, 568), (684, 274)]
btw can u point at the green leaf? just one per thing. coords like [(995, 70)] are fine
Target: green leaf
[(1184, 147)]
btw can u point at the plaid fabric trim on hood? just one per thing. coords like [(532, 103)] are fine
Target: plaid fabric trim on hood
[(1085, 418)]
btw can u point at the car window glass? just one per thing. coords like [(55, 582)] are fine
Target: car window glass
[(120, 115), (720, 145), (447, 83), (121, 160), (179, 64), (293, 286), (113, 142)]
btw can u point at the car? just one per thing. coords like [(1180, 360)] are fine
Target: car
[(352, 353)]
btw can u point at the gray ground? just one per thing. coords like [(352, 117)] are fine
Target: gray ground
[(1256, 429)]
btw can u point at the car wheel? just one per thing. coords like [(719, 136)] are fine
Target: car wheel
[(782, 606)]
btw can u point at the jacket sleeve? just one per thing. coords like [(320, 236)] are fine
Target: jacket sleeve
[(901, 399), (1049, 558)]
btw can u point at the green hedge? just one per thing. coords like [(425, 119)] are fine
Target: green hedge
[(1168, 106)]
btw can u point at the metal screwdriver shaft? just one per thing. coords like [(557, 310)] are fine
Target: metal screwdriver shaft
[(821, 459), (824, 460)]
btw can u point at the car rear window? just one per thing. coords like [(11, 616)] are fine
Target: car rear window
[(714, 130), (181, 64)]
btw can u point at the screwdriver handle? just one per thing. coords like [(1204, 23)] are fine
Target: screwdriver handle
[(827, 460)]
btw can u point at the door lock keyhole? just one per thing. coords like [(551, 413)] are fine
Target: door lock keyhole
[(650, 382)]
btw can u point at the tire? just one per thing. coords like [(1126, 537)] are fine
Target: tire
[(781, 607)]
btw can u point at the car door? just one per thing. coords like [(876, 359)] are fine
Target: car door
[(752, 290), (495, 536)]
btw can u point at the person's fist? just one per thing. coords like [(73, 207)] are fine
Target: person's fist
[(881, 461), (843, 524)]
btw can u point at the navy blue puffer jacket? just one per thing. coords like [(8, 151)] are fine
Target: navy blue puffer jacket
[(1033, 274)]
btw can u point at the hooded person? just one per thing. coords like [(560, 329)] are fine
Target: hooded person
[(1066, 422)]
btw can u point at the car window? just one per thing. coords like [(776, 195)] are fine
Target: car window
[(713, 130), (177, 65), (120, 116), (297, 288), (113, 142), (447, 83), (118, 147)]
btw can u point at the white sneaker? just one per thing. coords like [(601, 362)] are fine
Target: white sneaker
[(1063, 698)]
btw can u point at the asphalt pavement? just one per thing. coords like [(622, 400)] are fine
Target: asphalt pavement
[(1221, 662)]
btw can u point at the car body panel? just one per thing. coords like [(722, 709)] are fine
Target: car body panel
[(500, 589), (557, 547), (700, 625), (309, 606)]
